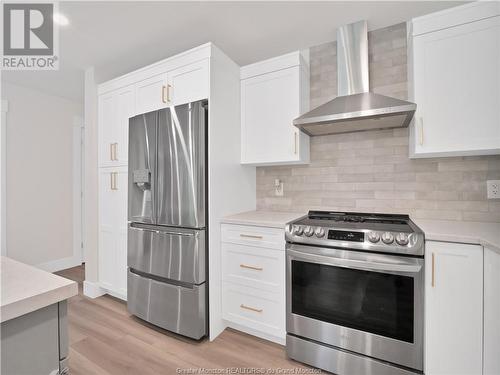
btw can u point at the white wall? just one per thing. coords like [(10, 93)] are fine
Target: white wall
[(39, 177), (3, 149)]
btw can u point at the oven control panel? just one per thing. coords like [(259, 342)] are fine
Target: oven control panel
[(378, 233), (343, 235), (366, 240)]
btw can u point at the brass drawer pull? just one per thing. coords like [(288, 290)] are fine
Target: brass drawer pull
[(251, 308), (113, 181), (251, 236), (251, 267)]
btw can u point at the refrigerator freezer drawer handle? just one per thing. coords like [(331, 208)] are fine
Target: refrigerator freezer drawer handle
[(165, 232)]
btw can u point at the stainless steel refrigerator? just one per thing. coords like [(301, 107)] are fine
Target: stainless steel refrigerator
[(167, 213)]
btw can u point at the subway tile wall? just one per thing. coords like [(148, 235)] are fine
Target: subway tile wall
[(371, 171)]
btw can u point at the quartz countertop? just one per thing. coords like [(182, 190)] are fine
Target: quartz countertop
[(270, 219), (477, 233), (25, 289)]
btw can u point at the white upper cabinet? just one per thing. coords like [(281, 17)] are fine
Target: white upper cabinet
[(151, 94), (107, 111), (185, 84), (455, 81), (115, 108), (273, 93), (188, 83), (453, 309)]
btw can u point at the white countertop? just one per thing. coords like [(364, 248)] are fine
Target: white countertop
[(25, 289), (262, 218), (477, 233)]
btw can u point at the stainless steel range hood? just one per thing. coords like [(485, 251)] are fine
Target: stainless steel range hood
[(355, 109)]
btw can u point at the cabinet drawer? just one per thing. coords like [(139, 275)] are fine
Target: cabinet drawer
[(272, 238), (253, 266), (255, 309)]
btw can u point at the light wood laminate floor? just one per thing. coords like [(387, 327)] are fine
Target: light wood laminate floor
[(105, 339)]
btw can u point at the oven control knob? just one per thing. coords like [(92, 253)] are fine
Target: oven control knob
[(319, 232), (309, 231), (388, 238), (298, 230), (373, 237), (402, 239)]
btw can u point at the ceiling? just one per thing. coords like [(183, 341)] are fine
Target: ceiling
[(117, 37)]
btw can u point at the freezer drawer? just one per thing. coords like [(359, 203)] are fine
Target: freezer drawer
[(172, 253), (175, 308)]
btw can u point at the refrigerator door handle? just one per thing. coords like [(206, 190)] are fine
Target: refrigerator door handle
[(165, 232)]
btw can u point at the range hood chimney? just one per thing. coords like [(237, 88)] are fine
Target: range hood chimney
[(355, 109)]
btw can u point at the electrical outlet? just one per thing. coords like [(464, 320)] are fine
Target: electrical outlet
[(493, 189), (278, 188)]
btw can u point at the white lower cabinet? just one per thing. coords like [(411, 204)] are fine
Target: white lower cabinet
[(453, 309), (253, 278), (491, 312), (113, 183)]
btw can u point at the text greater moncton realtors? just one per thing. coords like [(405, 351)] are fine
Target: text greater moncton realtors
[(29, 62)]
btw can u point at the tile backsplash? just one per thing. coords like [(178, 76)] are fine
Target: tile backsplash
[(370, 171)]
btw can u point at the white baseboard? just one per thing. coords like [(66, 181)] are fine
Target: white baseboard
[(253, 332), (92, 290), (119, 295), (60, 264)]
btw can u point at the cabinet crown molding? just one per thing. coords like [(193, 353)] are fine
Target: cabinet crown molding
[(454, 16), (296, 58), (184, 58)]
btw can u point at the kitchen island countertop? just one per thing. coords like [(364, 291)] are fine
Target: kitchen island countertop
[(26, 288)]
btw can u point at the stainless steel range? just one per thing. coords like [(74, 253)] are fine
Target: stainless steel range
[(355, 293)]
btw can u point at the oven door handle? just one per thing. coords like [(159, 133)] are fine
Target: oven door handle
[(357, 264)]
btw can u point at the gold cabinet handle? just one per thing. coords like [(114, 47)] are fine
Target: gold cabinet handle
[(168, 93), (433, 277), (251, 308), (251, 267), (421, 132), (251, 236), (112, 151), (113, 181), (165, 89), (295, 147)]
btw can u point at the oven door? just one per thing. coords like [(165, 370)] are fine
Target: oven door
[(367, 303)]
